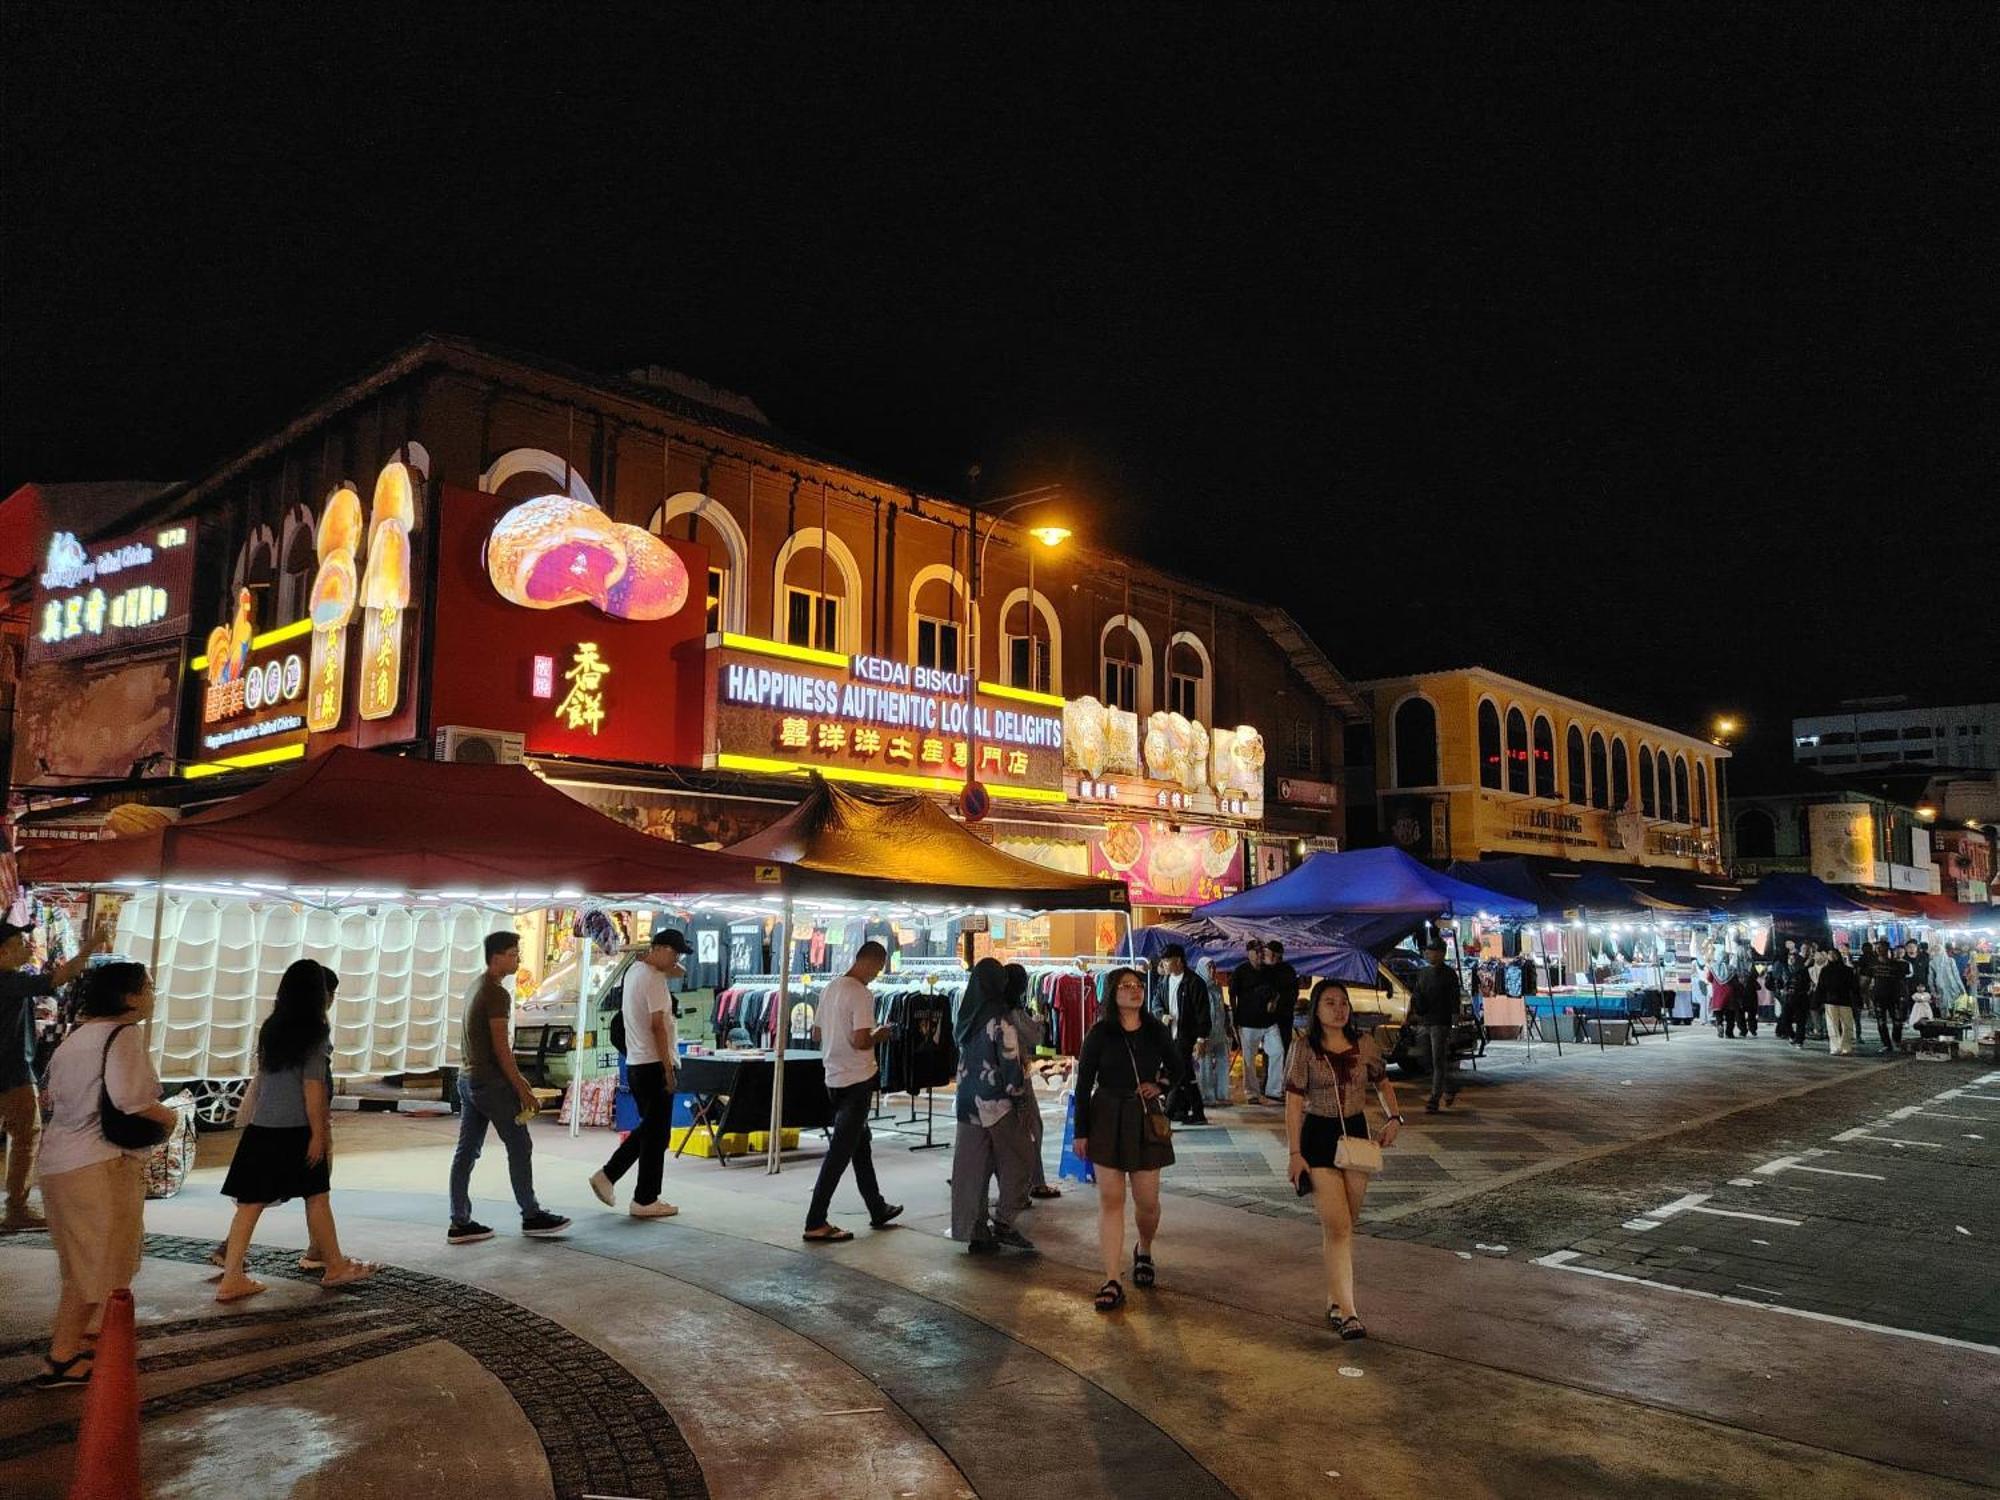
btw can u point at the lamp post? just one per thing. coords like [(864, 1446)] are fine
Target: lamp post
[(971, 800), (1725, 726)]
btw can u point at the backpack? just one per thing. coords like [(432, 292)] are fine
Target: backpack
[(618, 1029)]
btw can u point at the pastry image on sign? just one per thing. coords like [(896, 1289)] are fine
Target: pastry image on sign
[(556, 550), (335, 592), (385, 588), (1172, 867), (1123, 844), (1218, 852)]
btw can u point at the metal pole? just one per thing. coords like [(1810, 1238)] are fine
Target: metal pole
[(582, 1022), (784, 1026)]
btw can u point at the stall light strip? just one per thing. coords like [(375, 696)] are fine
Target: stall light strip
[(783, 649), (730, 762), (245, 762), (259, 642)]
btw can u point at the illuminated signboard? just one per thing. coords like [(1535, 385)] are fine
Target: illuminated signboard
[(118, 594), (583, 706), (253, 692), (868, 719), (1167, 866)]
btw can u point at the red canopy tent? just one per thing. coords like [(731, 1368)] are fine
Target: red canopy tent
[(355, 819)]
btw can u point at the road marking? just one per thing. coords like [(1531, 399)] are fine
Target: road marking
[(1938, 1114), (1835, 1172), (1744, 1182), (1732, 1213), (1744, 1286), (1560, 1261), (1678, 1206), (1639, 1224), (1889, 1139)]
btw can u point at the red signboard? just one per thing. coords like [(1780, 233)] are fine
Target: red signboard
[(1162, 867), (571, 681)]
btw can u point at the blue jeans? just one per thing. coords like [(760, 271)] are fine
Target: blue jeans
[(1211, 1071), (493, 1104)]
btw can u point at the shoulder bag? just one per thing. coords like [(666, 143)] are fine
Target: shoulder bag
[(1159, 1129), (127, 1132), (1353, 1154)]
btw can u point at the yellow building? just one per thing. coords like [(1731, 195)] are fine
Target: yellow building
[(1469, 763)]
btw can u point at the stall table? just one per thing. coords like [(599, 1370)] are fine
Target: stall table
[(732, 1094)]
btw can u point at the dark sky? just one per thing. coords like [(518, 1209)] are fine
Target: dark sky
[(1645, 352)]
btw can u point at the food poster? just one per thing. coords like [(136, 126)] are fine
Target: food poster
[(96, 719), (1162, 866)]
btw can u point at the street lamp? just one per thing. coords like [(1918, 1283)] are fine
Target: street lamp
[(971, 800), (1722, 731)]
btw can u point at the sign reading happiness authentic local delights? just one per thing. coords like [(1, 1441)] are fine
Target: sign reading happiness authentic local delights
[(870, 719)]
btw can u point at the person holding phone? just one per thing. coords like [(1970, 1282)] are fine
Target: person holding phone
[(1328, 1073), (1127, 1066)]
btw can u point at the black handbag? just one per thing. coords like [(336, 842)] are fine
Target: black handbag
[(127, 1132), (1159, 1129)]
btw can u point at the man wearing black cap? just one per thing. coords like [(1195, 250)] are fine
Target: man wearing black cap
[(1434, 1012), (20, 1106), (649, 1068), (1180, 998)]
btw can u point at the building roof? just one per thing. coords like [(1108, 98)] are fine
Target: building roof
[(1719, 752), (1310, 662)]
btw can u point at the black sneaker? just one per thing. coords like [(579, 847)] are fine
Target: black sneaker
[(544, 1225), (1012, 1238), (890, 1213), (981, 1247), (471, 1232)]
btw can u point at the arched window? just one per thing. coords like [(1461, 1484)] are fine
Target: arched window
[(1126, 653), (937, 612), (1517, 750), (1579, 770), (817, 599), (1415, 728), (1545, 757), (1680, 789), (1031, 643), (1489, 745), (1756, 835), (1621, 776), (298, 561), (704, 519), (1188, 677), (1649, 802), (1701, 793), (524, 473), (1600, 775)]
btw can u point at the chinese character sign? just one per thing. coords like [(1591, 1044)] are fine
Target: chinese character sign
[(583, 706), (113, 596)]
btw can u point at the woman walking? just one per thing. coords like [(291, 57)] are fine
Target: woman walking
[(1328, 1073), (93, 1190), (286, 1149), (1127, 1067), (992, 1136), (1031, 1030)]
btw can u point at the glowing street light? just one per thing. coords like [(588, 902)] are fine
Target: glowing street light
[(1048, 536)]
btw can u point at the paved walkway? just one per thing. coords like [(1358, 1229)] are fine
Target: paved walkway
[(714, 1354)]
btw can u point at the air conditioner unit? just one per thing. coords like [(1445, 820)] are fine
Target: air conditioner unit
[(479, 747)]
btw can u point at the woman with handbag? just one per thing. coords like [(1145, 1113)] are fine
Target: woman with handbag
[(286, 1147), (1327, 1075), (1126, 1068), (106, 1118)]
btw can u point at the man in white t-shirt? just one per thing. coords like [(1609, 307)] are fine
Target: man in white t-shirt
[(649, 1069), (847, 1036)]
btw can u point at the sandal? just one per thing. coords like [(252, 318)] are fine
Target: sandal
[(62, 1375), (1045, 1191), (353, 1271), (1349, 1328), (827, 1234), (1143, 1274), (1110, 1296)]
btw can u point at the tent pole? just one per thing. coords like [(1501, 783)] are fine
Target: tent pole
[(582, 1022), (776, 1142), (159, 927)]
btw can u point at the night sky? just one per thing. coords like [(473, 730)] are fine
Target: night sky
[(1647, 353)]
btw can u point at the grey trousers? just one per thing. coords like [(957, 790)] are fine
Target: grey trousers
[(980, 1154), (1444, 1068)]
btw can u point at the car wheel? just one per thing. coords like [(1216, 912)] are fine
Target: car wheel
[(216, 1102)]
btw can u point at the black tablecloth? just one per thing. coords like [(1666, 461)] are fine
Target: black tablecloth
[(747, 1083)]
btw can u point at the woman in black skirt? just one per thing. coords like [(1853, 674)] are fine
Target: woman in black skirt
[(1328, 1073), (286, 1149), (1127, 1066)]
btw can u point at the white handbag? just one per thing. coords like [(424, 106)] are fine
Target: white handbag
[(1354, 1153)]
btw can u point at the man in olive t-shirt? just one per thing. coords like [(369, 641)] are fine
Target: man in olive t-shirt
[(491, 1091)]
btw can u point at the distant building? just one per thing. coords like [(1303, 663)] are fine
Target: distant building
[(1889, 734), (1469, 763)]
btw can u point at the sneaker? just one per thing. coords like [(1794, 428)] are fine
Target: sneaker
[(659, 1208), (890, 1213), (602, 1186), (1012, 1238), (981, 1247), (544, 1225), (471, 1232)]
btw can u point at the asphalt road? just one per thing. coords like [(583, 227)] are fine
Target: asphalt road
[(1875, 1199)]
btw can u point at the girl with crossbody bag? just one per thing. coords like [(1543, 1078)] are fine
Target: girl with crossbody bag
[(1327, 1074)]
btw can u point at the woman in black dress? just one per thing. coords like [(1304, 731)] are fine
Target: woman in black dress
[(1127, 1066), (1328, 1074)]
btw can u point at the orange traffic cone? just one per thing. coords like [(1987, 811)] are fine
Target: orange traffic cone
[(107, 1444)]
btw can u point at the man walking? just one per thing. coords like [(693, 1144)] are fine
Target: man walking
[(1839, 994), (1434, 1012), (1283, 981), (844, 1029), (1181, 999), (1250, 992), (491, 1091), (20, 1103), (651, 1061), (1889, 994)]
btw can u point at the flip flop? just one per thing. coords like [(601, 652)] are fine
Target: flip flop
[(827, 1235), (357, 1270), (255, 1289)]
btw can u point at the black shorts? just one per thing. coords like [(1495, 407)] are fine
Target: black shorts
[(1320, 1137), (270, 1166)]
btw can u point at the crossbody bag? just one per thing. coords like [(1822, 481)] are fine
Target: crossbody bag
[(1159, 1129), (126, 1131), (1354, 1153)]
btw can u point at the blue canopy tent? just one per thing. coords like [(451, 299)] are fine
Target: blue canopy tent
[(1804, 898), (1371, 897), (1315, 954), (1517, 878)]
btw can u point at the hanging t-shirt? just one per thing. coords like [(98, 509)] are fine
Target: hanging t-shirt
[(746, 948), (707, 966)]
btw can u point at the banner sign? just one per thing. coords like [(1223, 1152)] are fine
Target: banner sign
[(1165, 867), (1843, 842), (118, 594)]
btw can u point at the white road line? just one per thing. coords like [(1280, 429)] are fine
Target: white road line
[(1836, 1172), (1892, 1140), (1938, 1114), (1731, 1213), (1559, 1261), (1772, 1168), (1744, 1286), (1678, 1206), (1640, 1225), (1855, 1134)]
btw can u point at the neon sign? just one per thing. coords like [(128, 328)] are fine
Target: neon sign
[(127, 593), (583, 707)]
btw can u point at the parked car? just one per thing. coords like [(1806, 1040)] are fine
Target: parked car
[(1384, 1013)]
